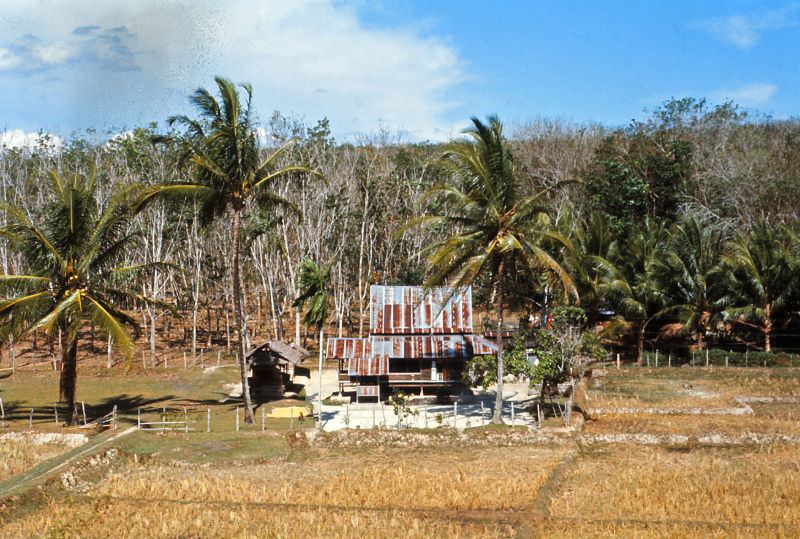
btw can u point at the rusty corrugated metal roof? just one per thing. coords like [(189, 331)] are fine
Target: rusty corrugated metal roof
[(370, 365), (431, 346), (410, 310), (346, 348), (408, 322)]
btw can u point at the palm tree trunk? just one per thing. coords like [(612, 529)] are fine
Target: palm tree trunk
[(241, 350), (69, 375), (319, 395), (768, 327), (640, 347), (497, 417)]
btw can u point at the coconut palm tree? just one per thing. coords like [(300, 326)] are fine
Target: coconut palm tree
[(761, 269), (492, 228), (631, 278), (72, 258), (228, 176), (314, 287), (591, 243), (689, 273)]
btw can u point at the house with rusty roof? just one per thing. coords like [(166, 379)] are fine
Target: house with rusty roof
[(418, 340)]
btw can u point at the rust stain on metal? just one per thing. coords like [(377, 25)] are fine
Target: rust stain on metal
[(404, 310)]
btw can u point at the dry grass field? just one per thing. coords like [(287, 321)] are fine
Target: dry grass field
[(751, 491), (690, 387), (482, 483), (16, 456)]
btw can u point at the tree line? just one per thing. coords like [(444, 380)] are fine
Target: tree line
[(681, 227)]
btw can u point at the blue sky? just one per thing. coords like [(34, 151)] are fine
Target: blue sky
[(418, 67)]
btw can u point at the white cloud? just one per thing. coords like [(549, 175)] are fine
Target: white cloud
[(19, 139), (757, 93), (8, 60), (310, 57), (55, 53), (744, 31)]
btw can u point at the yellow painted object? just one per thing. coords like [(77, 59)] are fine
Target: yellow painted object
[(289, 411)]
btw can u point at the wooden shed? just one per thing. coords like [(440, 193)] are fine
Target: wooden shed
[(273, 365)]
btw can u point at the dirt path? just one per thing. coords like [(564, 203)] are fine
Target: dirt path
[(47, 468)]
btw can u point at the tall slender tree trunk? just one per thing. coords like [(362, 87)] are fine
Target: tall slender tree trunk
[(497, 418), (241, 350), (319, 394), (640, 346), (69, 375), (768, 327)]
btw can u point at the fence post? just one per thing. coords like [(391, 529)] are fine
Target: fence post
[(656, 358), (513, 413), (208, 420), (184, 359), (726, 362), (669, 360), (138, 419), (114, 417), (538, 415), (30, 420), (707, 357), (263, 418), (2, 413), (55, 413), (617, 361), (455, 414), (237, 419), (83, 409), (202, 358)]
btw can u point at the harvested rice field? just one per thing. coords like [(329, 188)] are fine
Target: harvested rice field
[(680, 473)]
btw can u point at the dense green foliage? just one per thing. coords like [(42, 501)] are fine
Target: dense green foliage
[(564, 348), (679, 231)]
